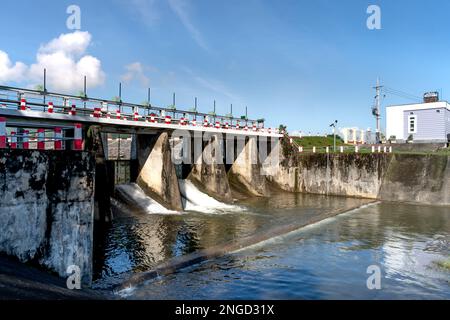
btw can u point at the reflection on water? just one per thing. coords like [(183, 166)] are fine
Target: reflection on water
[(325, 261), (137, 242)]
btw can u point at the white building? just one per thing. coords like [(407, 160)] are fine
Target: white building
[(420, 122)]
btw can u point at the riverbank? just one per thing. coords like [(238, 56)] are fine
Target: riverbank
[(20, 281)]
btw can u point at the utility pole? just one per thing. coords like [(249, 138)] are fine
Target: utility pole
[(376, 110)]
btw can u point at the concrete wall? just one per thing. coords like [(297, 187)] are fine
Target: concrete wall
[(47, 207), (417, 178), (393, 177), (356, 175)]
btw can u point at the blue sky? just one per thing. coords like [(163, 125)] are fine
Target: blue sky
[(300, 63)]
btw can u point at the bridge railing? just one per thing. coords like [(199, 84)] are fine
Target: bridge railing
[(26, 99)]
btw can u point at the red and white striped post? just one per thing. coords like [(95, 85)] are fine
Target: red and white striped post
[(78, 137), (26, 140), (13, 141), (23, 104), (3, 133), (237, 125), (136, 116), (73, 110), (118, 116), (152, 118), (194, 122), (168, 120), (58, 139), (254, 127), (41, 139), (205, 122), (227, 126), (217, 125), (50, 107)]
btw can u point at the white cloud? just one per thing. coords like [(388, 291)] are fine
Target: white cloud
[(65, 61), (10, 72), (135, 71), (181, 9)]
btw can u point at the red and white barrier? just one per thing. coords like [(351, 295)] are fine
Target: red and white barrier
[(183, 121), (118, 116), (2, 133), (41, 139), (205, 122), (23, 105), (97, 113), (50, 107), (152, 118), (254, 127), (246, 127), (167, 120), (218, 125), (227, 126), (13, 141), (78, 137), (136, 116), (58, 139), (194, 123), (73, 110), (26, 140), (237, 125)]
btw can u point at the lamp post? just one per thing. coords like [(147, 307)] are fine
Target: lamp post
[(334, 124)]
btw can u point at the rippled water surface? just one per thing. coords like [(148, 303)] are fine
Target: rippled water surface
[(138, 241), (328, 260)]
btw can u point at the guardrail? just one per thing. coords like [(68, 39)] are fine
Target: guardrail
[(26, 99)]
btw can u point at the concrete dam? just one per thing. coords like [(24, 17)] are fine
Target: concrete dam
[(53, 202)]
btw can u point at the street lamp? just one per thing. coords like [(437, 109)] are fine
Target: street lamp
[(334, 124)]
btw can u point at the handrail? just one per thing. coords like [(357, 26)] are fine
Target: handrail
[(115, 103)]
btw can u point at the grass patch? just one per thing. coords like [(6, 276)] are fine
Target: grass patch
[(315, 141)]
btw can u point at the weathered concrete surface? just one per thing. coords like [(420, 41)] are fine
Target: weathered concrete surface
[(394, 177), (46, 208), (417, 178), (210, 177), (157, 175), (357, 175), (246, 172)]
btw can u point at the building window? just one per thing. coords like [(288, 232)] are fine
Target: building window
[(412, 124)]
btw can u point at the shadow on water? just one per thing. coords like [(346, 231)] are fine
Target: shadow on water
[(137, 242), (328, 260)]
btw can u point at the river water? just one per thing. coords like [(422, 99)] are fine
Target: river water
[(326, 260)]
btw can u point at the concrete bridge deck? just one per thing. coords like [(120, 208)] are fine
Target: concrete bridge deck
[(30, 109)]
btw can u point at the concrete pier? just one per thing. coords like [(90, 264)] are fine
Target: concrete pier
[(157, 175)]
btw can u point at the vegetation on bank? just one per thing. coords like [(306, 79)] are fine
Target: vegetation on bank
[(317, 141)]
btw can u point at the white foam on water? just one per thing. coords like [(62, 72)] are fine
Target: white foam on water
[(282, 237), (133, 194), (195, 200)]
